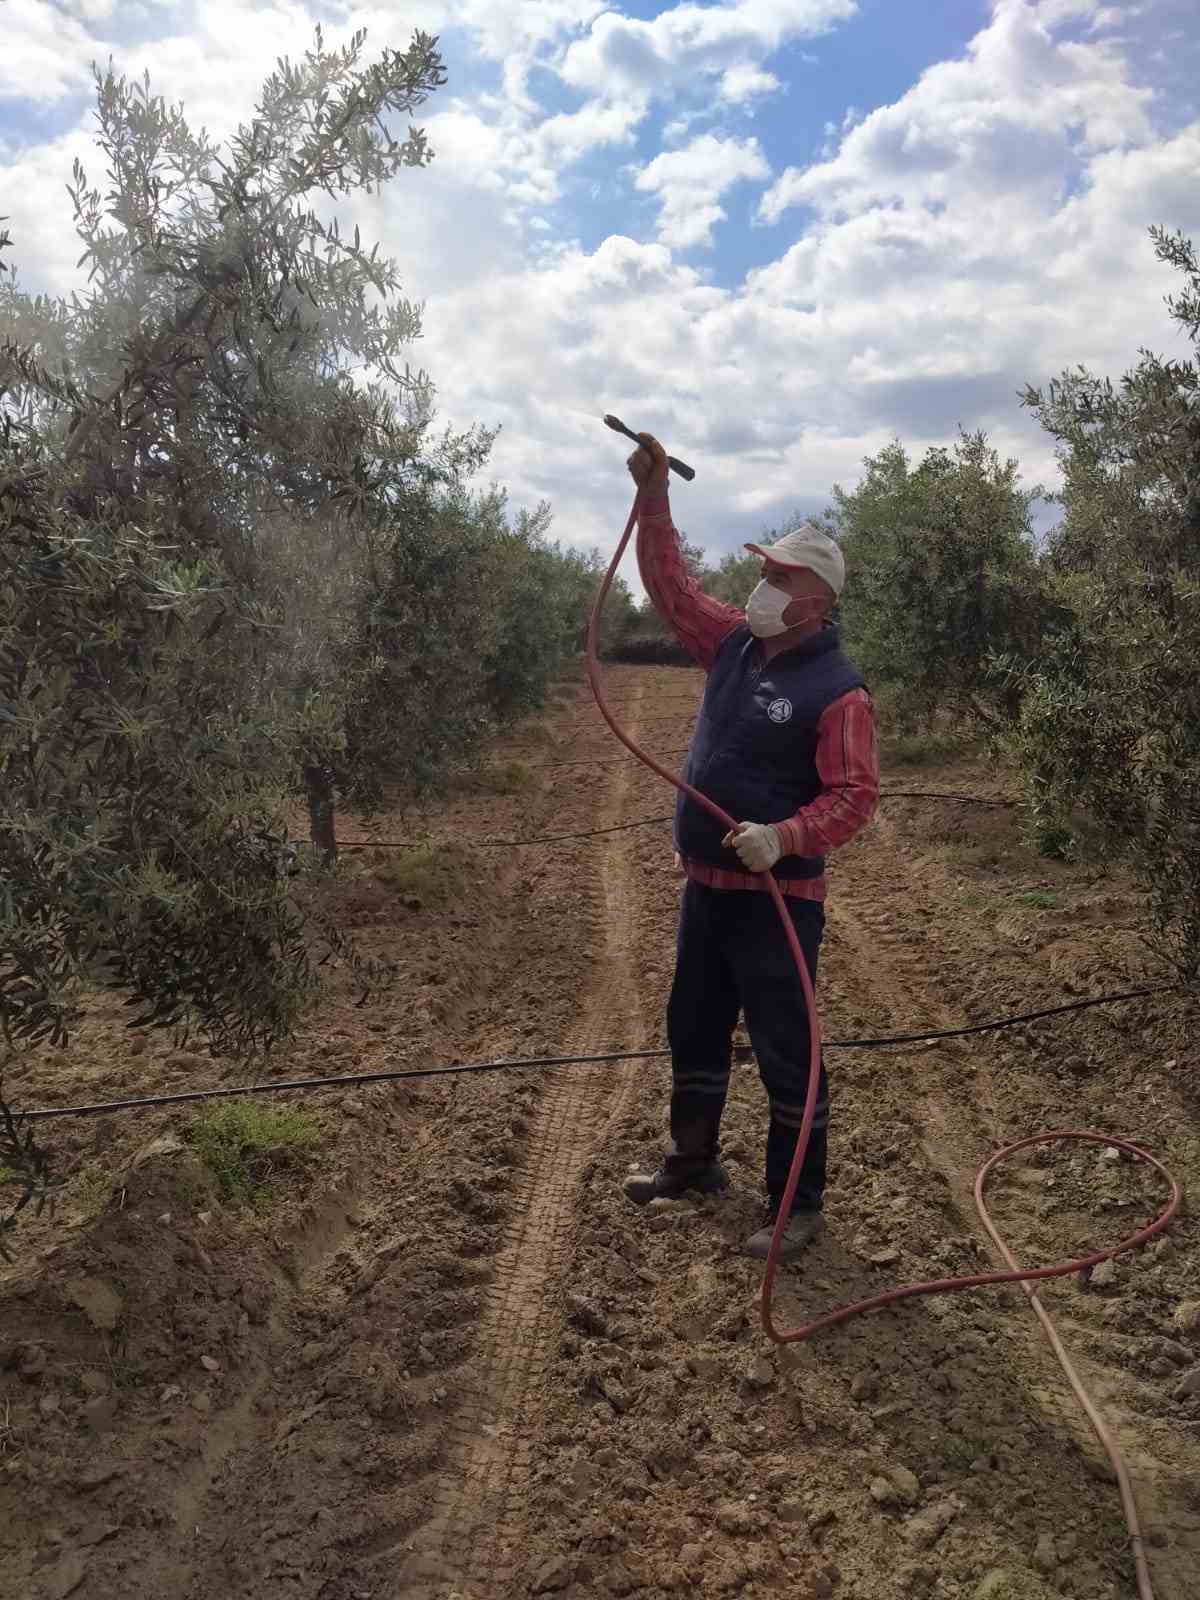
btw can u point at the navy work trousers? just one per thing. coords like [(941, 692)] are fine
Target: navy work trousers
[(732, 958)]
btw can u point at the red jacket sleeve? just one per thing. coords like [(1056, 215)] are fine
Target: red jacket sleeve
[(699, 622), (848, 764)]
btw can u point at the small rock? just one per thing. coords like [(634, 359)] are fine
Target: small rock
[(865, 1386), (995, 1585), (165, 1219), (210, 1364), (1045, 1556), (736, 1519), (551, 1576), (1187, 1316), (65, 1578), (1104, 1276), (169, 1391), (927, 1527), (616, 1395), (586, 1317), (93, 1382), (98, 1300), (201, 1402), (352, 1106), (32, 1361), (883, 1492), (707, 1368), (906, 1483), (95, 1476), (884, 1258), (96, 1532), (165, 1145), (761, 1374), (1188, 1385), (204, 1217)]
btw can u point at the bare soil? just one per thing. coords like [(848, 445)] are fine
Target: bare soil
[(450, 1361)]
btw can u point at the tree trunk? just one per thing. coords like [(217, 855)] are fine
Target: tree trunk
[(318, 785)]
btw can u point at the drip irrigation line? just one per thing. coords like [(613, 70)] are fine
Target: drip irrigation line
[(494, 844), (540, 1063), (943, 794), (640, 822)]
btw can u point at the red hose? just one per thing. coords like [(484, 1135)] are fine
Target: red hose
[(1025, 1276)]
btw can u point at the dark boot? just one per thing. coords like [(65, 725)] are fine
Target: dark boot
[(675, 1177), (802, 1229)]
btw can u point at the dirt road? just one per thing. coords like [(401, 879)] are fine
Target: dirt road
[(449, 1361)]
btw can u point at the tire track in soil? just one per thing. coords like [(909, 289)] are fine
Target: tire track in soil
[(472, 1546)]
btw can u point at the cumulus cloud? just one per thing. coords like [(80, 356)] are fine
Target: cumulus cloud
[(746, 82), (45, 55), (690, 182), (687, 44), (1010, 119), (984, 230)]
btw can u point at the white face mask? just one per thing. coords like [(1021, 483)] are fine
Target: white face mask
[(765, 608), (764, 611)]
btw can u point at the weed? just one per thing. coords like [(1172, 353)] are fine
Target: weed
[(1040, 899), (8, 1430), (251, 1146), (93, 1192), (430, 873), (502, 777)]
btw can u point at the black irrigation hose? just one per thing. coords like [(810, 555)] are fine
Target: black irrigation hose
[(741, 1053), (642, 822), (943, 794), (493, 844)]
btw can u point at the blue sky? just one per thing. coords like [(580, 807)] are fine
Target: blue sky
[(777, 232)]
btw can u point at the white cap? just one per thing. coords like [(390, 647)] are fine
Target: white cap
[(807, 547)]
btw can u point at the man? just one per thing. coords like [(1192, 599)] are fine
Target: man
[(786, 739)]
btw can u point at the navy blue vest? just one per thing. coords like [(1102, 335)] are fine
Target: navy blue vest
[(755, 745)]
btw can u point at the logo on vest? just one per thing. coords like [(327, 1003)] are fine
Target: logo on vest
[(780, 710)]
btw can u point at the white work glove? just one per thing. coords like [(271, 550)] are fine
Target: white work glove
[(757, 845)]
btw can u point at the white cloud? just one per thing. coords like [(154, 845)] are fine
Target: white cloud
[(690, 182), (746, 82), (986, 229), (1006, 120), (44, 54), (689, 43)]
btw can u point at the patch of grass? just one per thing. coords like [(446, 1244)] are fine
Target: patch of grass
[(430, 873), (252, 1148), (1040, 899), (93, 1192), (502, 777)]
